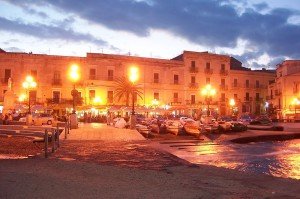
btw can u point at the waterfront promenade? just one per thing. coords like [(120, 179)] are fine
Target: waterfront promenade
[(92, 164)]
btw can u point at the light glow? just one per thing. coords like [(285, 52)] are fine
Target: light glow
[(208, 90), (231, 102), (74, 73), (133, 74)]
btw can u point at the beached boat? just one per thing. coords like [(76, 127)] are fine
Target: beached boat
[(173, 126), (264, 124), (192, 128)]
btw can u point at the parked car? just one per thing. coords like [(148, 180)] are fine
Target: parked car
[(245, 119), (44, 118)]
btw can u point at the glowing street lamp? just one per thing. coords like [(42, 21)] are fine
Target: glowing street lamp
[(295, 102), (74, 76), (208, 91), (133, 76), (232, 104), (29, 84)]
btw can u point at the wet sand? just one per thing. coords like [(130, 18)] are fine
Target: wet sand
[(95, 169)]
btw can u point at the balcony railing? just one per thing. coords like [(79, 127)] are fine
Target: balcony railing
[(193, 69), (79, 101), (277, 92), (176, 82), (295, 90), (223, 87), (176, 101), (92, 77), (224, 72), (208, 71), (156, 81), (233, 85), (194, 85), (56, 82)]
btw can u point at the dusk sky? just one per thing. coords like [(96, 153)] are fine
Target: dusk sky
[(258, 33)]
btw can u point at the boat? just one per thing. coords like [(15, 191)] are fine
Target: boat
[(192, 128), (264, 124), (173, 126)]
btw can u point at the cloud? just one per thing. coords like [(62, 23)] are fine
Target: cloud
[(212, 23), (43, 31)]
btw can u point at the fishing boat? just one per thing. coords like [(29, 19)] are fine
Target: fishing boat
[(173, 126), (192, 128)]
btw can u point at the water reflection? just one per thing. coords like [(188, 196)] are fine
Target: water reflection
[(281, 159)]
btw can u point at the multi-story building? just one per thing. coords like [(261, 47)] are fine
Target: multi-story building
[(284, 91), (175, 84)]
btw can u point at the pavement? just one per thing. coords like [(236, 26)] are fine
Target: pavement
[(98, 131)]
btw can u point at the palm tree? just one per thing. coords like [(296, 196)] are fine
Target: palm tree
[(126, 90)]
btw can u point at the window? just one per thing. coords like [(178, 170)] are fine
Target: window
[(207, 65), (156, 96), (193, 64), (92, 94), (235, 96), (56, 96), (56, 78), (223, 82), (110, 75), (156, 77), (175, 97), (33, 73), (223, 97), (92, 73), (7, 75), (193, 79), (223, 67), (247, 97), (257, 84), (207, 80), (257, 97), (235, 83), (110, 97), (176, 79), (193, 99), (247, 83)]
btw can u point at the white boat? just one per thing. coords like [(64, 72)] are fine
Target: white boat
[(192, 128), (173, 126)]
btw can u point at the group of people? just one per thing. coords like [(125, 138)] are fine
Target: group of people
[(5, 118)]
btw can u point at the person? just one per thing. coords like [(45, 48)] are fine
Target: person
[(1, 119)]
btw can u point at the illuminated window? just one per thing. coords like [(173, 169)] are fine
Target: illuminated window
[(156, 77), (193, 99), (156, 96), (110, 75)]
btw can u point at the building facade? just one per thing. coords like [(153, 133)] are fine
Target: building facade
[(173, 84), (284, 91)]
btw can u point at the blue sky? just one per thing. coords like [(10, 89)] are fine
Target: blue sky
[(258, 33)]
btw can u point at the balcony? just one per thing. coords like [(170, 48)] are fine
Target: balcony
[(193, 69), (223, 87), (92, 77), (156, 81), (248, 86), (259, 99), (208, 71), (235, 85), (260, 86), (223, 72), (176, 82), (79, 101), (56, 82), (277, 92), (194, 85), (176, 101)]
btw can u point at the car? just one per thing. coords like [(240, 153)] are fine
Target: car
[(245, 119), (43, 118)]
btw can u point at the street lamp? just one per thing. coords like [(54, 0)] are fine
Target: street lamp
[(133, 77), (295, 102), (232, 104), (208, 91), (74, 76), (29, 84)]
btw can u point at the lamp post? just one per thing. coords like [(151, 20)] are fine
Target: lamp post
[(208, 91), (232, 104), (295, 102), (28, 85), (74, 76), (133, 77)]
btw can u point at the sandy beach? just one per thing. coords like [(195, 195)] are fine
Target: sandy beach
[(93, 169)]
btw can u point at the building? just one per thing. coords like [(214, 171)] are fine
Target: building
[(284, 91), (173, 84)]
